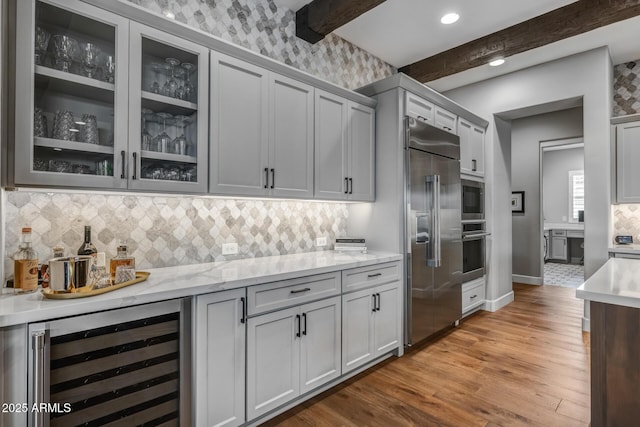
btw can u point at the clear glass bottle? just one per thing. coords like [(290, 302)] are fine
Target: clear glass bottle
[(122, 258), (25, 265), (87, 248)]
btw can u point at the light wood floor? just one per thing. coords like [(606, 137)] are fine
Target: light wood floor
[(527, 364)]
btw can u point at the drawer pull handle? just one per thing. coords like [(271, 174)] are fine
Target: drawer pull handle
[(371, 276), (473, 296), (299, 291)]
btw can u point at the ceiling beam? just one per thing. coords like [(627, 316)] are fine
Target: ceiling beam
[(571, 20), (320, 17)]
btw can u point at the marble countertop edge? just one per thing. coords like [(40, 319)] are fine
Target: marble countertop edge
[(616, 282)]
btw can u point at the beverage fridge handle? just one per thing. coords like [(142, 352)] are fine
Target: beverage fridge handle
[(38, 342), (434, 253)]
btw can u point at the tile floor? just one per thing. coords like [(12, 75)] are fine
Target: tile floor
[(566, 275)]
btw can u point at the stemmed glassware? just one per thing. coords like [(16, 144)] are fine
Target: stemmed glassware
[(171, 85), (180, 143), (41, 43), (147, 140), (89, 59), (109, 69), (162, 141), (157, 70), (65, 50), (189, 90)]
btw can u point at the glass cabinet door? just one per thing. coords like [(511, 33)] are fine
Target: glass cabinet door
[(168, 122), (71, 95)]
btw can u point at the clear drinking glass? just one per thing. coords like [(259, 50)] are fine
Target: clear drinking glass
[(171, 85), (89, 56), (109, 69), (65, 50), (180, 143), (41, 44), (158, 69), (147, 140), (189, 90), (162, 141)]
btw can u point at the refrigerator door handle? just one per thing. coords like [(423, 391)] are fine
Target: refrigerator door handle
[(433, 194)]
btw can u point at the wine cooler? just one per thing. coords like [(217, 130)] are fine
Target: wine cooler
[(122, 367)]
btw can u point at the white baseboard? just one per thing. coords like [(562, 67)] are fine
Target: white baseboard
[(497, 304), (527, 280), (586, 324)]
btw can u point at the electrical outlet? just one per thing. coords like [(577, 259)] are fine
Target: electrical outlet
[(229, 248), (321, 241)]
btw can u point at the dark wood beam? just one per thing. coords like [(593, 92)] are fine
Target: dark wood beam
[(320, 17), (571, 20)]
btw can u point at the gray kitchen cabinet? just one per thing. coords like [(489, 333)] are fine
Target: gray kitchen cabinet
[(471, 147), (627, 177), (219, 372), (261, 131), (445, 120), (290, 352), (344, 149), (82, 148), (370, 324), (419, 108), (168, 152)]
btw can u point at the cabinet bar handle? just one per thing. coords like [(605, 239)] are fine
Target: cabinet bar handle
[(374, 303), (135, 164), (346, 186), (273, 178), (123, 155), (473, 165), (371, 276), (304, 317), (378, 308), (350, 185), (298, 320), (266, 177), (37, 344), (244, 309), (299, 291)]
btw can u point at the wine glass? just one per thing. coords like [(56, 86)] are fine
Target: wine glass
[(189, 90), (179, 75), (180, 143), (41, 43), (171, 85), (64, 50), (162, 141), (89, 54), (109, 69), (147, 140), (157, 70)]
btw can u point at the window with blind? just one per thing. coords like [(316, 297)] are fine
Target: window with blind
[(576, 194)]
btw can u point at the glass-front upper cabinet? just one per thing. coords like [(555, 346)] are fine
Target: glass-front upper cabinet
[(169, 110), (71, 95)]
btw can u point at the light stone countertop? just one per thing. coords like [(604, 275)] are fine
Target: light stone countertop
[(563, 226), (625, 249), (177, 282), (616, 282)]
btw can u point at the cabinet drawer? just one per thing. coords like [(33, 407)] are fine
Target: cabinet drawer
[(575, 233), (418, 108), (373, 275), (446, 120), (562, 233), (472, 296), (286, 293)]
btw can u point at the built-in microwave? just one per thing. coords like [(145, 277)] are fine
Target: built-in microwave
[(472, 200)]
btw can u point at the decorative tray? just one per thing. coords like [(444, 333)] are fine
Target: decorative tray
[(88, 291)]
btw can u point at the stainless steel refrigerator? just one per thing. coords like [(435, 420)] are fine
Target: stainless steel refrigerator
[(433, 230)]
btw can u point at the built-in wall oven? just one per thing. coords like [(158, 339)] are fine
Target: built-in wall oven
[(472, 200), (473, 249)]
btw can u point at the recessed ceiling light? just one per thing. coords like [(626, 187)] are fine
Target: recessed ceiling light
[(449, 18), (169, 15), (496, 62)]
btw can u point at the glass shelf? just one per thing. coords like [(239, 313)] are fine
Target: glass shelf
[(62, 145), (155, 155)]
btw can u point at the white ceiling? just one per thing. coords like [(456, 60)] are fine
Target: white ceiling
[(405, 31)]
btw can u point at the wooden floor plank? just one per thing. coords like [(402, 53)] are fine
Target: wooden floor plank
[(524, 365)]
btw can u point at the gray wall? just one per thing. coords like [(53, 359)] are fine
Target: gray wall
[(586, 75), (555, 181), (526, 134)]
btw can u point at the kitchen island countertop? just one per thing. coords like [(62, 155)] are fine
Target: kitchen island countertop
[(188, 280), (616, 282)]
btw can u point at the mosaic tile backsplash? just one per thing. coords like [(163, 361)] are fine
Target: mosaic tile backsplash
[(263, 27), (626, 220), (169, 230), (626, 88)]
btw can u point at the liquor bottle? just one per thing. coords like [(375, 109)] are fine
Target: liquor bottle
[(25, 265), (87, 248), (122, 258)]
